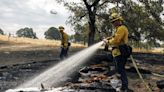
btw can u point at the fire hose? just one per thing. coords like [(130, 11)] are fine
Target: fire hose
[(138, 72)]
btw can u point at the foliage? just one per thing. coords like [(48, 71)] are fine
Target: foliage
[(85, 11), (81, 32), (142, 18), (1, 32), (26, 32), (52, 33)]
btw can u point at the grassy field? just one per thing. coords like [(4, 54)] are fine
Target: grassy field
[(44, 42), (24, 50), (53, 43)]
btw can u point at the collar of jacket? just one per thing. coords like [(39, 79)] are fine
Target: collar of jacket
[(118, 26)]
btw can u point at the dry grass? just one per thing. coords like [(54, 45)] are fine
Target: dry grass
[(155, 50), (53, 43), (43, 42)]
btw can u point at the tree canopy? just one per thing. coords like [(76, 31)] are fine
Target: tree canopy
[(1, 32), (144, 23), (26, 32), (52, 33), (142, 17)]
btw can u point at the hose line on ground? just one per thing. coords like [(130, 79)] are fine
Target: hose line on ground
[(158, 75), (135, 65)]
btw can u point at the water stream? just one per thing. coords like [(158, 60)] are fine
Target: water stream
[(60, 72)]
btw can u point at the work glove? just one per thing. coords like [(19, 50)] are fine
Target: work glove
[(105, 41)]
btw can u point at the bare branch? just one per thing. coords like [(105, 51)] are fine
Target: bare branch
[(87, 5), (83, 16)]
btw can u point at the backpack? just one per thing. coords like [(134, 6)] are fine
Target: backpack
[(125, 50)]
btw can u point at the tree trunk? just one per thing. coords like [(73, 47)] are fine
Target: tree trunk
[(92, 18), (92, 28), (91, 35)]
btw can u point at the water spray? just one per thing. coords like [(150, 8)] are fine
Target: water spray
[(60, 72)]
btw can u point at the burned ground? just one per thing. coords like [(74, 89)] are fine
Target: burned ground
[(20, 64)]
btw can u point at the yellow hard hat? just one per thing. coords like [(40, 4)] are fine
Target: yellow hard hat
[(61, 27), (115, 17)]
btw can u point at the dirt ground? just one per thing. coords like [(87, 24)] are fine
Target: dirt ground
[(14, 57), (151, 66)]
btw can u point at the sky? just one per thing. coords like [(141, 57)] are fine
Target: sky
[(16, 14)]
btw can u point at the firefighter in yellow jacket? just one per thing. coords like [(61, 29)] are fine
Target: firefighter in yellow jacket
[(64, 43), (120, 37)]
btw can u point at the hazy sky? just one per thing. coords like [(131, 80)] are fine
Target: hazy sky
[(16, 14)]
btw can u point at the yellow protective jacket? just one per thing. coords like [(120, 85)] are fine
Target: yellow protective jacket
[(120, 37), (64, 39)]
